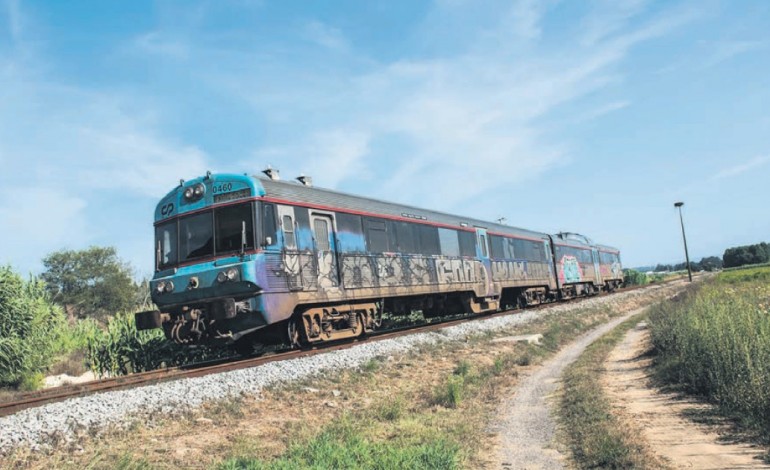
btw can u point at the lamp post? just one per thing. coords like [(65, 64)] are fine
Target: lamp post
[(686, 255)]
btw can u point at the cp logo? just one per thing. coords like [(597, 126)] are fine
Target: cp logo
[(167, 209)]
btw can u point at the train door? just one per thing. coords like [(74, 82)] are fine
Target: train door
[(597, 269), (482, 252), (290, 255), (326, 252)]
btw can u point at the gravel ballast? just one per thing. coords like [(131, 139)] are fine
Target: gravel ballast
[(59, 423)]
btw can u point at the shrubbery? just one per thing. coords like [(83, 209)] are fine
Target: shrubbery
[(121, 349), (32, 330), (715, 342), (634, 277)]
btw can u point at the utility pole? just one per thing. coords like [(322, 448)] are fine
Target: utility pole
[(686, 254)]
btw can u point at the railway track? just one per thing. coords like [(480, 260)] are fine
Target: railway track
[(56, 394)]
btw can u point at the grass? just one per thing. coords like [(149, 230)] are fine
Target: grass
[(714, 342), (342, 445), (596, 438)]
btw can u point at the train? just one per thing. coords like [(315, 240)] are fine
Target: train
[(243, 260)]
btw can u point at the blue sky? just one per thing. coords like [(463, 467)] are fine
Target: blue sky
[(591, 116)]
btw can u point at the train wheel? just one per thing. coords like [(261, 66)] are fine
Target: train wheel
[(293, 333)]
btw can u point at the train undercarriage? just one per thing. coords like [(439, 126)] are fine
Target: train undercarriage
[(228, 321)]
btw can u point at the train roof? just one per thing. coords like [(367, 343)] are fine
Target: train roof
[(297, 192), (607, 248)]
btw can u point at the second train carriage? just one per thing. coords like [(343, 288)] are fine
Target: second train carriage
[(242, 258)]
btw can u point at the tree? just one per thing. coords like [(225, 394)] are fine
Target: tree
[(711, 263), (90, 282), (748, 254)]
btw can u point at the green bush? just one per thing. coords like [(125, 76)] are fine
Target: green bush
[(634, 277), (32, 329), (715, 342), (121, 349)]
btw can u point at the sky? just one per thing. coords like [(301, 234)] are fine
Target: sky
[(587, 116)]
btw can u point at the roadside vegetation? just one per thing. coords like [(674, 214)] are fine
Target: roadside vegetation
[(78, 316), (714, 342), (32, 331), (596, 437)]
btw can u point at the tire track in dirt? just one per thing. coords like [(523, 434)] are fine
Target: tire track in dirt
[(526, 429), (659, 417)]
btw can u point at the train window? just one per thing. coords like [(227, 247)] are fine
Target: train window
[(405, 237), (450, 244), (230, 222), (268, 225), (196, 236), (321, 231), (467, 243), (428, 237), (166, 244), (497, 246), (508, 246), (376, 235), (520, 248), (532, 251), (350, 233), (288, 232)]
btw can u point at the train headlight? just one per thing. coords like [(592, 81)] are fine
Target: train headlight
[(195, 192), (169, 287), (160, 287), (227, 275)]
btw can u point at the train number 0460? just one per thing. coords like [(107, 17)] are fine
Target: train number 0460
[(222, 188)]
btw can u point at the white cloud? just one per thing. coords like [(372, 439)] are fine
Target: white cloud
[(38, 220), (604, 109), (14, 19), (741, 168), (131, 160), (325, 36), (726, 50), (608, 17), (156, 43), (445, 118)]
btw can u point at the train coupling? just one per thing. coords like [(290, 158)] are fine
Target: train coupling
[(150, 319)]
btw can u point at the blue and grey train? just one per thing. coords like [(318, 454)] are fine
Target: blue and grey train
[(244, 259)]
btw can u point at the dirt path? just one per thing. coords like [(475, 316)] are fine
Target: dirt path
[(659, 416), (526, 430)]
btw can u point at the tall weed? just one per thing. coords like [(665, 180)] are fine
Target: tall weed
[(715, 342), (32, 329)]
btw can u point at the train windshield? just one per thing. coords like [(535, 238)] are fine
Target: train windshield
[(220, 231)]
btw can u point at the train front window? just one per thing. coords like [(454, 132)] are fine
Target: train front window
[(165, 245), (231, 221), (196, 236)]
